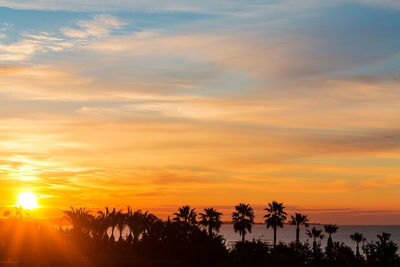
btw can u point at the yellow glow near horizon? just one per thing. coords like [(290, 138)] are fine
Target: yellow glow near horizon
[(27, 200)]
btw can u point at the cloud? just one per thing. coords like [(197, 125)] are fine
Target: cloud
[(38, 82), (222, 6), (38, 43), (18, 51), (31, 45), (100, 26)]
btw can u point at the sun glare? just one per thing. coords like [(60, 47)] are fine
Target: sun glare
[(27, 200)]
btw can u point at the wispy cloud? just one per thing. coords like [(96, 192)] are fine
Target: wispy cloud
[(100, 26)]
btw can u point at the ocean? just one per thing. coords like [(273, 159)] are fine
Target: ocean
[(287, 234)]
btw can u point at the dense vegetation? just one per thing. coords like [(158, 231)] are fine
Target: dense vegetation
[(187, 239)]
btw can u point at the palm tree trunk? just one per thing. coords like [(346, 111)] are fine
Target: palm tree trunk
[(315, 245), (274, 236), (210, 231), (297, 234), (243, 234), (330, 246), (112, 234), (357, 251)]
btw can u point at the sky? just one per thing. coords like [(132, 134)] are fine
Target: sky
[(158, 104)]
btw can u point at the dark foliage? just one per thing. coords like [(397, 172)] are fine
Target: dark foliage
[(91, 241)]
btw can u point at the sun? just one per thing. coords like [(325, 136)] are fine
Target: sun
[(27, 200)]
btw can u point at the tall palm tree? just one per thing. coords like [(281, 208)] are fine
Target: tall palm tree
[(243, 219), (186, 215), (136, 223), (358, 238), (384, 238), (102, 222), (113, 221), (150, 219), (152, 225), (80, 219), (299, 219), (211, 218), (275, 216), (121, 223), (315, 234), (330, 229), (129, 213)]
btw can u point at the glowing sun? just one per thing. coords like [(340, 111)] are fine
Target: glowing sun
[(27, 200)]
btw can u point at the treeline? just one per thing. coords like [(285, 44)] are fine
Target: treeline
[(187, 238)]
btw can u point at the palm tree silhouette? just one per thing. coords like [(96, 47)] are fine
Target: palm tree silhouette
[(330, 229), (80, 220), (358, 238), (102, 221), (243, 219), (150, 219), (113, 221), (384, 238), (186, 215), (314, 233), (136, 224), (211, 218), (299, 219), (275, 216), (129, 213), (121, 222)]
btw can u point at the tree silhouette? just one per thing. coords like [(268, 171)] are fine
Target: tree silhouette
[(102, 224), (113, 221), (150, 220), (211, 218), (382, 252), (137, 222), (275, 216), (243, 219), (330, 229), (186, 215), (299, 219), (358, 238), (315, 234), (154, 227), (121, 223), (80, 219)]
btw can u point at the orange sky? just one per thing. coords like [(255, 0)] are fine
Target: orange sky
[(202, 106)]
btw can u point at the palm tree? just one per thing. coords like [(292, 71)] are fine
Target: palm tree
[(121, 222), (357, 237), (186, 215), (275, 216), (384, 238), (80, 219), (243, 219), (129, 213), (150, 219), (113, 221), (136, 224), (102, 222), (314, 233), (330, 229), (211, 218), (152, 225), (299, 219)]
